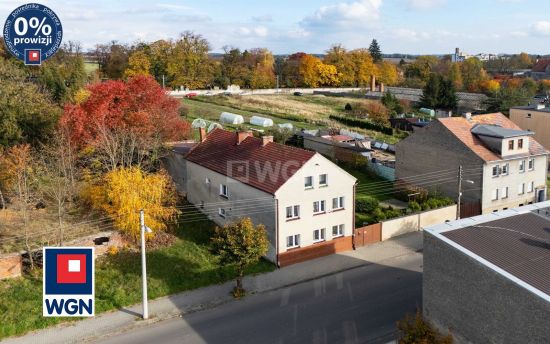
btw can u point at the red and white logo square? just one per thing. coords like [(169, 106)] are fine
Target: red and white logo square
[(34, 55), (71, 268)]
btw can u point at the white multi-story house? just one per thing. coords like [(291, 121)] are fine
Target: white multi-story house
[(503, 166), (305, 201)]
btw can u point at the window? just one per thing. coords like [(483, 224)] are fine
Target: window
[(496, 171), (504, 193), (319, 235), (338, 203), (293, 241), (224, 191), (520, 144), (522, 166), (293, 212), (323, 180), (521, 189), (308, 182), (505, 169), (221, 212), (511, 145), (531, 187), (494, 197), (337, 231), (318, 207), (531, 164)]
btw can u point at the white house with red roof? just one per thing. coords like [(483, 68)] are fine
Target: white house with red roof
[(305, 201)]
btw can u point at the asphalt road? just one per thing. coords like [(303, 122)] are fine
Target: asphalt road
[(357, 306)]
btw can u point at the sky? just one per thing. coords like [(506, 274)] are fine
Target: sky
[(312, 26)]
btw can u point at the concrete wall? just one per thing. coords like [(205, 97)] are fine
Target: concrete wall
[(11, 266), (266, 91), (479, 305), (416, 222), (434, 149), (385, 172), (325, 148), (243, 201), (512, 181), (539, 122), (340, 184)]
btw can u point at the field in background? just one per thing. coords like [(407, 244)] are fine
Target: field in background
[(304, 112)]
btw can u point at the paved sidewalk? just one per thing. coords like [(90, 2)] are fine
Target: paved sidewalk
[(203, 298)]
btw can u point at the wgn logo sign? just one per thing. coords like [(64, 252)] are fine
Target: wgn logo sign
[(68, 282)]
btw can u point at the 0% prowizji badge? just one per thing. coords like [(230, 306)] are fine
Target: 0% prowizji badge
[(33, 33)]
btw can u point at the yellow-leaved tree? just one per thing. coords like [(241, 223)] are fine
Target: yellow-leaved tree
[(138, 64), (125, 191)]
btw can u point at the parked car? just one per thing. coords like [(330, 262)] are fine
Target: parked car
[(299, 94), (191, 95)]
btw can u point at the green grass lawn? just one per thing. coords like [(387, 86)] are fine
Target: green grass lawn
[(187, 264)]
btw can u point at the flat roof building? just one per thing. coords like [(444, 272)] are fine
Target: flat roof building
[(487, 278)]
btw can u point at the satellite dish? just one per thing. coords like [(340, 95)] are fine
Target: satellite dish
[(213, 126), (198, 123)]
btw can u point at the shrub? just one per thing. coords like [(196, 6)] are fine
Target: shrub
[(415, 329), (362, 123), (414, 206), (348, 107), (366, 205)]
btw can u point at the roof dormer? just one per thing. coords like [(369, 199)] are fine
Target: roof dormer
[(503, 141)]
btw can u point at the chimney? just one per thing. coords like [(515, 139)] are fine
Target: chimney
[(242, 135), (202, 134), (266, 140), (382, 87), (372, 83)]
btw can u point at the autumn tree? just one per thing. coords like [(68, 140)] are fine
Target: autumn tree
[(339, 57), (240, 244), (472, 73), (123, 192), (455, 76), (188, 63), (17, 176), (125, 121), (112, 59), (26, 114), (387, 73), (138, 64), (363, 67), (421, 68), (57, 170)]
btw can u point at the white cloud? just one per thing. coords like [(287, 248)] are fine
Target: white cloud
[(542, 28), (258, 31), (266, 18), (408, 34), (345, 14), (424, 4)]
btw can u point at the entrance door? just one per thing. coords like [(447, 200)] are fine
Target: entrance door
[(541, 195)]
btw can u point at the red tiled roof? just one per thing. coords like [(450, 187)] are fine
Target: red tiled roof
[(541, 66), (461, 128), (220, 153)]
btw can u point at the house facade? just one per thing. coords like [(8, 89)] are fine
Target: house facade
[(534, 118), (503, 166), (305, 201)]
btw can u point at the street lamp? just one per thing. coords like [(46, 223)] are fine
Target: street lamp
[(143, 229)]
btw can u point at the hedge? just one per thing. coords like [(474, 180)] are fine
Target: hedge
[(362, 123)]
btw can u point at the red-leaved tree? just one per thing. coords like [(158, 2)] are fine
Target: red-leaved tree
[(125, 121)]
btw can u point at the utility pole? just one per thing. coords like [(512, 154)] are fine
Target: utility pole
[(163, 86), (459, 192), (143, 265)]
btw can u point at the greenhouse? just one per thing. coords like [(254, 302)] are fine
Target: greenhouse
[(231, 118), (261, 121), (286, 126)]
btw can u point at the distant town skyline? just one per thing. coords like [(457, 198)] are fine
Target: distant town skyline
[(401, 26)]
